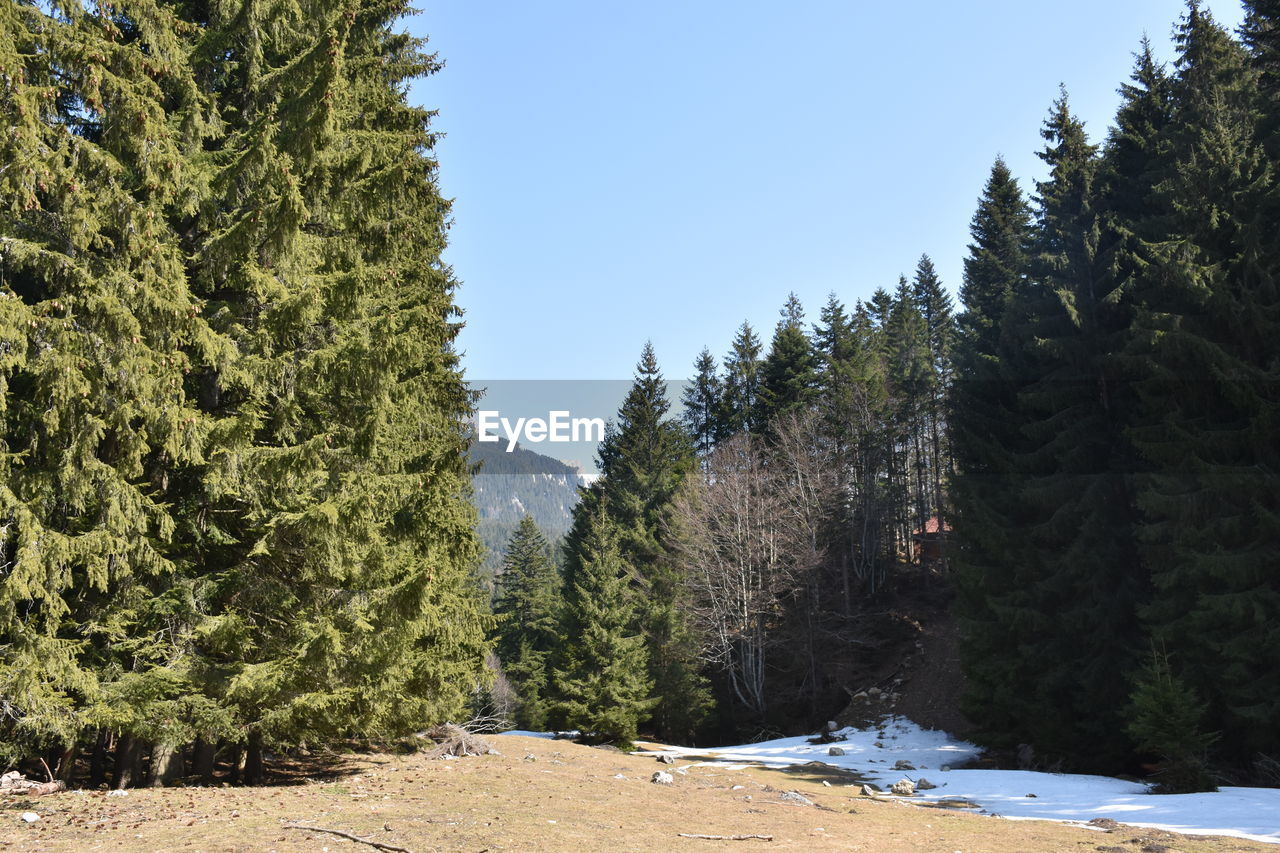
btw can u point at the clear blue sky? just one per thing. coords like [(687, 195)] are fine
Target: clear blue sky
[(664, 171)]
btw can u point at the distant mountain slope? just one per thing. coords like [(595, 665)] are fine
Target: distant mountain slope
[(508, 485)]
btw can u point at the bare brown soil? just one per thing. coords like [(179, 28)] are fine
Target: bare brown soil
[(916, 664), (541, 795)]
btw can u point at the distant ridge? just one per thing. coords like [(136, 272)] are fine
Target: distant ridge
[(508, 485)]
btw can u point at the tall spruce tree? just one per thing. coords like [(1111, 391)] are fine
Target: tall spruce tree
[(341, 502), (100, 332), (789, 373), (703, 401), (741, 383), (221, 241), (643, 461), (833, 335), (528, 608), (909, 366), (985, 436), (1204, 337), (602, 680), (1084, 582), (934, 304)]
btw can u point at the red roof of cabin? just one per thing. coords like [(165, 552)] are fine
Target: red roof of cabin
[(931, 527)]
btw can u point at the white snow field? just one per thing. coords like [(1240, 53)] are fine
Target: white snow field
[(1252, 813)]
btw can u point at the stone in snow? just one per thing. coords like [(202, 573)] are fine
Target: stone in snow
[(835, 750), (925, 785), (904, 787)]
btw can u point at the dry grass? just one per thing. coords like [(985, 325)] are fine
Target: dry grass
[(545, 796)]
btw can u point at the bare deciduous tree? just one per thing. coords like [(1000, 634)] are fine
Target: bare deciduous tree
[(749, 537)]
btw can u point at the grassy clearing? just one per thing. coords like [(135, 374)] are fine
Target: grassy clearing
[(546, 796)]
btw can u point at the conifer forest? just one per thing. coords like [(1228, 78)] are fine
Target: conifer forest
[(235, 490)]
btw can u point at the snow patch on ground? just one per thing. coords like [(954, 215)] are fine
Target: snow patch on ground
[(547, 735), (1251, 813)]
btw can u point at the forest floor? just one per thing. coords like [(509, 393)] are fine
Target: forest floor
[(544, 795)]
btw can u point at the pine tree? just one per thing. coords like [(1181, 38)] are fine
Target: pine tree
[(854, 403), (879, 307), (1166, 719), (1261, 33), (741, 383), (789, 373), (1204, 339), (703, 401), (834, 334), (643, 461), (100, 330), (909, 366), (934, 304), (1084, 582), (342, 501), (221, 239), (527, 606), (985, 439), (602, 679)]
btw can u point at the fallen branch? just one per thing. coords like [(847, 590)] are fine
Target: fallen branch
[(347, 835), (455, 742), (727, 837)]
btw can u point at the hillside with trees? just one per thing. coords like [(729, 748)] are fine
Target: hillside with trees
[(506, 487), (1083, 453)]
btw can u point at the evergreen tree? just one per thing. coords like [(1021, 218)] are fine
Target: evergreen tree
[(879, 307), (854, 406), (1084, 583), (909, 366), (344, 544), (985, 438), (528, 607), (834, 335), (643, 461), (100, 332), (1166, 718), (1204, 338), (934, 304), (1261, 33), (741, 383), (703, 401), (602, 679), (221, 244), (789, 373)]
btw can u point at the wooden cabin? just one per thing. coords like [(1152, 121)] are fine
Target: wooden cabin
[(930, 541)]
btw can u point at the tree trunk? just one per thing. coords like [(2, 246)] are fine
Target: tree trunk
[(253, 760), (128, 762), (166, 765), (203, 760), (98, 763), (66, 763), (237, 764)]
